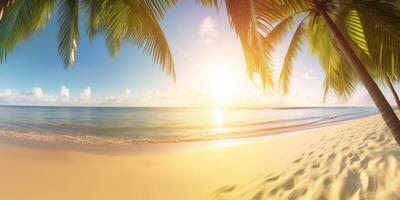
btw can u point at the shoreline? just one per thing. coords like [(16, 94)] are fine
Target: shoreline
[(107, 144), (155, 147), (352, 160)]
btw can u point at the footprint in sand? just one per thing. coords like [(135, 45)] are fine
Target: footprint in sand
[(368, 182), (272, 179), (327, 181), (355, 158), (296, 161), (330, 158), (365, 166), (274, 191), (296, 194), (315, 166), (350, 184), (345, 148), (226, 189), (289, 184), (299, 172), (258, 196), (381, 138)]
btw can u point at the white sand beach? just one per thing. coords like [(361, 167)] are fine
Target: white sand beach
[(354, 160)]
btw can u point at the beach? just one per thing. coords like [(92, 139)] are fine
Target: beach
[(356, 159)]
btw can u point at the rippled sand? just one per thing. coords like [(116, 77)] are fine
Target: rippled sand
[(354, 160), (357, 162)]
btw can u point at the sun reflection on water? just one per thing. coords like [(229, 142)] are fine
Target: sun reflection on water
[(218, 114)]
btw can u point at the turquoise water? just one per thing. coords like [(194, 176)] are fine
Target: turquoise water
[(171, 123)]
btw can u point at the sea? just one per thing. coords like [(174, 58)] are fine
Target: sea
[(170, 124)]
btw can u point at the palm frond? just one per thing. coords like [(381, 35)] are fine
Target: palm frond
[(242, 15), (384, 14), (151, 38), (137, 23), (293, 49), (22, 19), (68, 30), (381, 27), (277, 34), (297, 5), (210, 3), (4, 5), (133, 21), (339, 77), (270, 12), (93, 10), (160, 7), (355, 30)]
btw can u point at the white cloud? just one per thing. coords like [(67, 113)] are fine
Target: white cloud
[(37, 92), (34, 96), (127, 93), (310, 75), (86, 94), (180, 97), (150, 97), (7, 93), (207, 30), (125, 98), (64, 93)]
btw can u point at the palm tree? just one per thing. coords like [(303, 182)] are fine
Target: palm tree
[(395, 95), (120, 21), (384, 77), (357, 30)]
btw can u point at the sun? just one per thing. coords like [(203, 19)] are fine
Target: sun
[(223, 82)]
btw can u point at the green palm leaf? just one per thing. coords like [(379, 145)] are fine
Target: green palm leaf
[(22, 20), (278, 33), (380, 22), (356, 30), (137, 23), (293, 49), (339, 77), (68, 32)]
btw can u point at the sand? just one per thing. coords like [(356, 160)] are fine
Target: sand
[(354, 160)]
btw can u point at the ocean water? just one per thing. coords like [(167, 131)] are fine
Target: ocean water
[(170, 124)]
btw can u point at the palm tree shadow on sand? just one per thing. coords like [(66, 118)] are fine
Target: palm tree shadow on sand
[(342, 166)]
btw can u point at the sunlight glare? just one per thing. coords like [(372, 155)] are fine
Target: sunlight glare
[(218, 121), (223, 81)]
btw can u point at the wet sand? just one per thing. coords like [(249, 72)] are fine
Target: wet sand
[(354, 160)]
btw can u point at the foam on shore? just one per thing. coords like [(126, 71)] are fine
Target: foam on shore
[(118, 140), (354, 160)]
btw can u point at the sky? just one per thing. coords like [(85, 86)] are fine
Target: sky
[(209, 64)]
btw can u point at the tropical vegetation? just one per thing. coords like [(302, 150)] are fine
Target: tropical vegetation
[(351, 38), (354, 40), (136, 22)]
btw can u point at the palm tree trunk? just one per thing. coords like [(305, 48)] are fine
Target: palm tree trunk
[(383, 105), (396, 97)]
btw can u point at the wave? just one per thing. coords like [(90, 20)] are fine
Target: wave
[(114, 134)]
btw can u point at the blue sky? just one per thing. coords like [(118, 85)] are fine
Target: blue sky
[(203, 46)]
